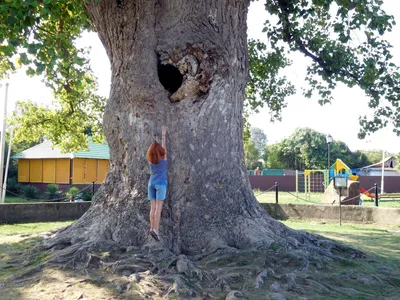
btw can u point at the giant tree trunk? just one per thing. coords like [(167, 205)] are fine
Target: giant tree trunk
[(182, 64), (209, 202)]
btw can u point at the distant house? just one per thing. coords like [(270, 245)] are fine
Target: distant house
[(376, 169), (43, 164)]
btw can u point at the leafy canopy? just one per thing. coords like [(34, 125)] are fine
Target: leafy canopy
[(306, 148), (343, 41), (40, 35)]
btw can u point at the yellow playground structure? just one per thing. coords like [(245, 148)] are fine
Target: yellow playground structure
[(339, 168), (317, 181)]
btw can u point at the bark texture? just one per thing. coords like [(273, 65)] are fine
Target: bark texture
[(210, 204)]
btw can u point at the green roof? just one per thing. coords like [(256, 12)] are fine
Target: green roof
[(99, 151), (46, 150)]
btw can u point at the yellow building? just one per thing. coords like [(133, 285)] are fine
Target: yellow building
[(43, 164)]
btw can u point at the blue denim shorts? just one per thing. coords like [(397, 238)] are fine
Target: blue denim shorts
[(157, 189)]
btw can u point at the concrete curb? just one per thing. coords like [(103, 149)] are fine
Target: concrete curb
[(350, 213)]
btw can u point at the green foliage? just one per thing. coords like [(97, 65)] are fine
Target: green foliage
[(13, 186), (307, 149), (30, 192), (274, 158), (259, 138), (246, 127), (87, 195), (72, 193), (324, 32), (52, 188), (251, 155), (264, 85), (40, 37), (397, 158), (374, 156), (52, 192), (254, 146)]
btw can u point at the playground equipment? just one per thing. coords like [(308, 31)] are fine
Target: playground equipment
[(311, 181), (352, 197), (321, 181), (366, 193), (340, 169), (315, 181)]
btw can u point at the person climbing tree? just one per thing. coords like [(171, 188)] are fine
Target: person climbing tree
[(157, 187)]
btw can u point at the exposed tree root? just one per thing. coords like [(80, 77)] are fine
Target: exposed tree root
[(288, 266)]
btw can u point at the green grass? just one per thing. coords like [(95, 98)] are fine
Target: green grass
[(382, 241), (314, 198), (14, 199), (17, 243), (285, 197), (381, 267), (31, 228)]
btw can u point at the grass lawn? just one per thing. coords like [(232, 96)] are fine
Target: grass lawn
[(375, 277), (30, 228), (315, 198), (382, 241), (14, 199), (16, 244)]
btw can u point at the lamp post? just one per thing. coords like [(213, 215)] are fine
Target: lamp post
[(329, 140)]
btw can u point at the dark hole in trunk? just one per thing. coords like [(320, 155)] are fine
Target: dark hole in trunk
[(170, 77)]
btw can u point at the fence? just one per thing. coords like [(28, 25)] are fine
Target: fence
[(288, 183)]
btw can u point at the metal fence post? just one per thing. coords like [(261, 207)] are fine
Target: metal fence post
[(376, 194), (276, 191), (92, 188)]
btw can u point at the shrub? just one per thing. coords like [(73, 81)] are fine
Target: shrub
[(13, 187), (30, 192), (72, 193), (87, 196), (52, 192)]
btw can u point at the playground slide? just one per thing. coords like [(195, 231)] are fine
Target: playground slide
[(368, 194)]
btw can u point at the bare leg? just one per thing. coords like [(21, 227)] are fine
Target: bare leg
[(157, 215), (152, 213)]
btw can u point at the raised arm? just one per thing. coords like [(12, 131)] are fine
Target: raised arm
[(163, 141)]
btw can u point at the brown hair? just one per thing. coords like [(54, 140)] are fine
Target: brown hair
[(155, 153)]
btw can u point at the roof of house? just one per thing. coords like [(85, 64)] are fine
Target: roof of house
[(46, 150), (378, 164)]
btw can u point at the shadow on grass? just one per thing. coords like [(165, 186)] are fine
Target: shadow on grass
[(25, 273), (376, 277)]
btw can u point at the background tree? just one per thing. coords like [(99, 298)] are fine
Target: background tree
[(259, 138), (374, 156), (184, 64), (307, 149), (254, 147), (251, 155), (274, 158)]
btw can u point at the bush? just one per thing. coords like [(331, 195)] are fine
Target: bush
[(52, 192), (72, 193), (87, 195), (13, 186), (30, 192)]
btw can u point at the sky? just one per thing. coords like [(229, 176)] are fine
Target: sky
[(339, 119)]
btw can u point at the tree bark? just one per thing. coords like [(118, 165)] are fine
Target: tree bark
[(210, 203)]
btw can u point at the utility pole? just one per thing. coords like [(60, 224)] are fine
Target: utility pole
[(3, 198), (383, 172), (3, 140)]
